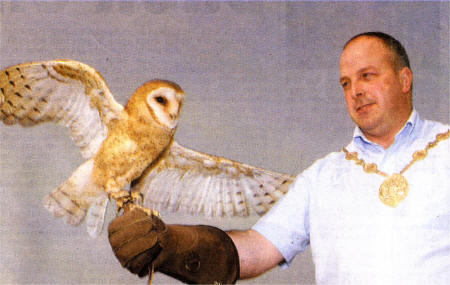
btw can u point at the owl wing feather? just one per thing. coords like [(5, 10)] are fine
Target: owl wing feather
[(197, 183), (66, 92)]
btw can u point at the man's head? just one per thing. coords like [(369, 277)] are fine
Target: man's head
[(401, 58), (377, 83)]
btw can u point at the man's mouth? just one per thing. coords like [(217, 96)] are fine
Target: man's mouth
[(364, 108)]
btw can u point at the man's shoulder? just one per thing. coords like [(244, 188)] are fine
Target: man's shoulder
[(430, 129), (331, 162), (435, 125)]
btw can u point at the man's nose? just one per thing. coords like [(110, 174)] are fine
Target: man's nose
[(357, 89)]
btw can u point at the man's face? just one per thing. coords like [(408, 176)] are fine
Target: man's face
[(378, 96)]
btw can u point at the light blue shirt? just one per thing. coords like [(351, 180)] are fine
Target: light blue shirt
[(333, 206)]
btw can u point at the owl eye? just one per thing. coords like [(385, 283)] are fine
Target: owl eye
[(161, 100)]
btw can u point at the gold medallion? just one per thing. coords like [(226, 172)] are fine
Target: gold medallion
[(393, 190)]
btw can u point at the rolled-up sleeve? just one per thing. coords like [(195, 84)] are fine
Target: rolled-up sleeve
[(286, 225)]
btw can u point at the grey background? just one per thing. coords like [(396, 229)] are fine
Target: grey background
[(262, 87)]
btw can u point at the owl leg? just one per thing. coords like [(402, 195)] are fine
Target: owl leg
[(121, 197), (137, 197), (148, 211), (138, 200)]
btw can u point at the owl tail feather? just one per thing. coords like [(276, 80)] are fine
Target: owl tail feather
[(96, 216), (62, 206), (72, 199)]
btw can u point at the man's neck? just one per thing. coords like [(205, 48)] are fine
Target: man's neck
[(386, 137), (384, 141)]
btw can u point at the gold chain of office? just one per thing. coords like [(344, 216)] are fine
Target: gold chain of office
[(394, 188)]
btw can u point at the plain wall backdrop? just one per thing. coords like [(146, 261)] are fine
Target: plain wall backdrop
[(262, 85)]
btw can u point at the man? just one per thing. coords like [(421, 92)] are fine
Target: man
[(376, 213)]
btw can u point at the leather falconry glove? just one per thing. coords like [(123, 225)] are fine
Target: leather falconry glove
[(193, 254)]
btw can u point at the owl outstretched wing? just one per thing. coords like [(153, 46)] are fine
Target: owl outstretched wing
[(66, 92), (197, 183)]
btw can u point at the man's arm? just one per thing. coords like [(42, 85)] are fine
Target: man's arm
[(256, 253), (193, 254)]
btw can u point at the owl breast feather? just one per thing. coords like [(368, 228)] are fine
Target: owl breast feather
[(130, 148)]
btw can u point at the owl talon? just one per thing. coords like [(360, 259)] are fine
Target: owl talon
[(156, 213), (122, 198), (149, 212), (137, 198), (119, 195)]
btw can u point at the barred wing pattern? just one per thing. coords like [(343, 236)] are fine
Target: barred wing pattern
[(66, 92), (75, 95), (197, 183)]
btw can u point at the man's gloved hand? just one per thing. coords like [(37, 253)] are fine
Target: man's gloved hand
[(192, 254)]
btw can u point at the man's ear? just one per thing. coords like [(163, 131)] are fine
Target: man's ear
[(406, 79)]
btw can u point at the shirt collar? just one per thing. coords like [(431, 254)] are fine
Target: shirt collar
[(402, 136)]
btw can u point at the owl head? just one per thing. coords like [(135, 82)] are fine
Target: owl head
[(159, 100)]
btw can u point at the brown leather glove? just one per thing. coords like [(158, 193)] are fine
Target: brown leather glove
[(192, 254)]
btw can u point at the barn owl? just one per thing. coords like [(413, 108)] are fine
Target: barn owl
[(129, 145)]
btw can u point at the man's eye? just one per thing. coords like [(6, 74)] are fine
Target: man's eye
[(366, 75)]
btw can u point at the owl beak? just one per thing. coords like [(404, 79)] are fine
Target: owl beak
[(174, 123)]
